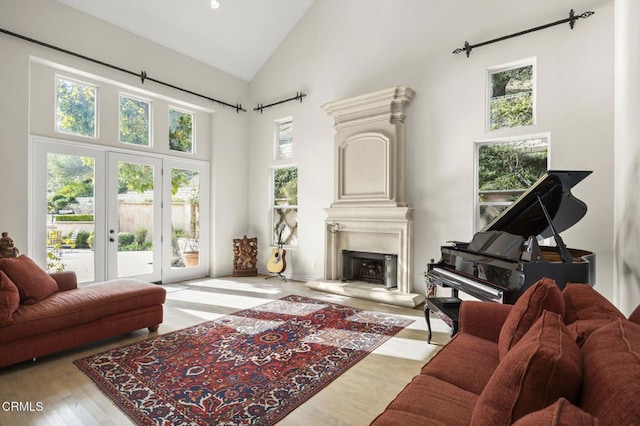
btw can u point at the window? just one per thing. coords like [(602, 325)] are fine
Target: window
[(284, 139), (505, 170), (511, 96), (76, 106), (180, 130), (135, 121), (285, 206)]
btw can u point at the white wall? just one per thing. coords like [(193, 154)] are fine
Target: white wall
[(51, 22), (347, 48), (627, 154)]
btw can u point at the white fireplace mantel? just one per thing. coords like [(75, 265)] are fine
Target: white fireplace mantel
[(370, 212)]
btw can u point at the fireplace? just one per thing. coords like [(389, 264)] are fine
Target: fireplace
[(374, 268), (369, 213)]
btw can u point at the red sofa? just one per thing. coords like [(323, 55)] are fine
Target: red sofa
[(553, 358), (44, 313)]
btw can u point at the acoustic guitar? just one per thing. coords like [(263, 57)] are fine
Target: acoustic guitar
[(276, 263)]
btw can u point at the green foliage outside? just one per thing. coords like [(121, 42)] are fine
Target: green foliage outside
[(285, 184), (59, 202), (134, 177), (180, 131), (74, 218), (134, 121), (76, 108), (125, 238), (141, 235), (512, 111), (55, 243), (68, 177), (82, 239), (510, 166), (511, 98), (134, 242)]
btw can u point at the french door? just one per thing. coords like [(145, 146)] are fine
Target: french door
[(134, 217), (109, 214)]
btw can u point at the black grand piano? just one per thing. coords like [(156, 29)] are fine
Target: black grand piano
[(505, 258)]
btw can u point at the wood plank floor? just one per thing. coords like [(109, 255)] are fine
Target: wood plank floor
[(67, 397)]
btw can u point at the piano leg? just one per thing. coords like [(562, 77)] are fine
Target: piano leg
[(426, 316), (446, 308)]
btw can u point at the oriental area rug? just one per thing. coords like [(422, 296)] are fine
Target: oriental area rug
[(251, 367)]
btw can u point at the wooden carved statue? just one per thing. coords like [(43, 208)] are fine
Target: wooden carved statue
[(7, 249), (245, 257)]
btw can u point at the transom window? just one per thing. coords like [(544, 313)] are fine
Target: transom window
[(511, 96), (284, 139), (181, 130), (505, 170), (135, 121), (76, 107)]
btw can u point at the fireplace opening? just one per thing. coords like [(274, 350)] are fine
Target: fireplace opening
[(374, 268)]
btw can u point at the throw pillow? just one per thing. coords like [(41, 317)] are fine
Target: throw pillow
[(541, 296), (583, 302), (545, 365), (611, 387), (560, 413), (9, 299), (33, 283)]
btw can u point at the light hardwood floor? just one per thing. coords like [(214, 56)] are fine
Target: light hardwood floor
[(68, 397)]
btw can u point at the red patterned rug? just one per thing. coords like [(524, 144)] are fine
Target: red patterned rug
[(252, 367)]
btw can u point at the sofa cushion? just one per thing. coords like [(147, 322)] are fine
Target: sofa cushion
[(611, 388), (546, 364), (581, 330), (541, 296), (583, 302), (469, 352), (9, 299), (33, 283), (560, 413), (429, 401), (81, 306)]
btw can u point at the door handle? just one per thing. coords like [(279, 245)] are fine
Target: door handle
[(112, 239)]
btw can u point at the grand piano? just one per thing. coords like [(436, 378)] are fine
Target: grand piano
[(505, 257)]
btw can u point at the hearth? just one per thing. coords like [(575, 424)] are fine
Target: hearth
[(374, 268)]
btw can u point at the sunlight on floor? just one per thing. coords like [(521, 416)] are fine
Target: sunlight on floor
[(235, 286), (216, 299), (410, 349)]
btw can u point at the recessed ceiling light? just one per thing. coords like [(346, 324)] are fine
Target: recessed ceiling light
[(215, 4)]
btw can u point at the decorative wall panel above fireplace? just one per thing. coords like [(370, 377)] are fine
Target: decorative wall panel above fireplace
[(370, 148)]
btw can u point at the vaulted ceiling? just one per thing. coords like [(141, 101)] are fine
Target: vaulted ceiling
[(238, 37)]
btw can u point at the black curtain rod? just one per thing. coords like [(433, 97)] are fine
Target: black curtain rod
[(571, 20), (143, 75), (297, 97)]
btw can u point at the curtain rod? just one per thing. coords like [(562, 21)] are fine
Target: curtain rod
[(143, 74), (571, 20), (297, 97)]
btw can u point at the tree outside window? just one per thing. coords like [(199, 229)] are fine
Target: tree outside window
[(511, 100), (135, 120), (506, 169), (76, 105), (180, 131), (285, 206)]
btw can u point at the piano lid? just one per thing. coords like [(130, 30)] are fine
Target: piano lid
[(525, 216)]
